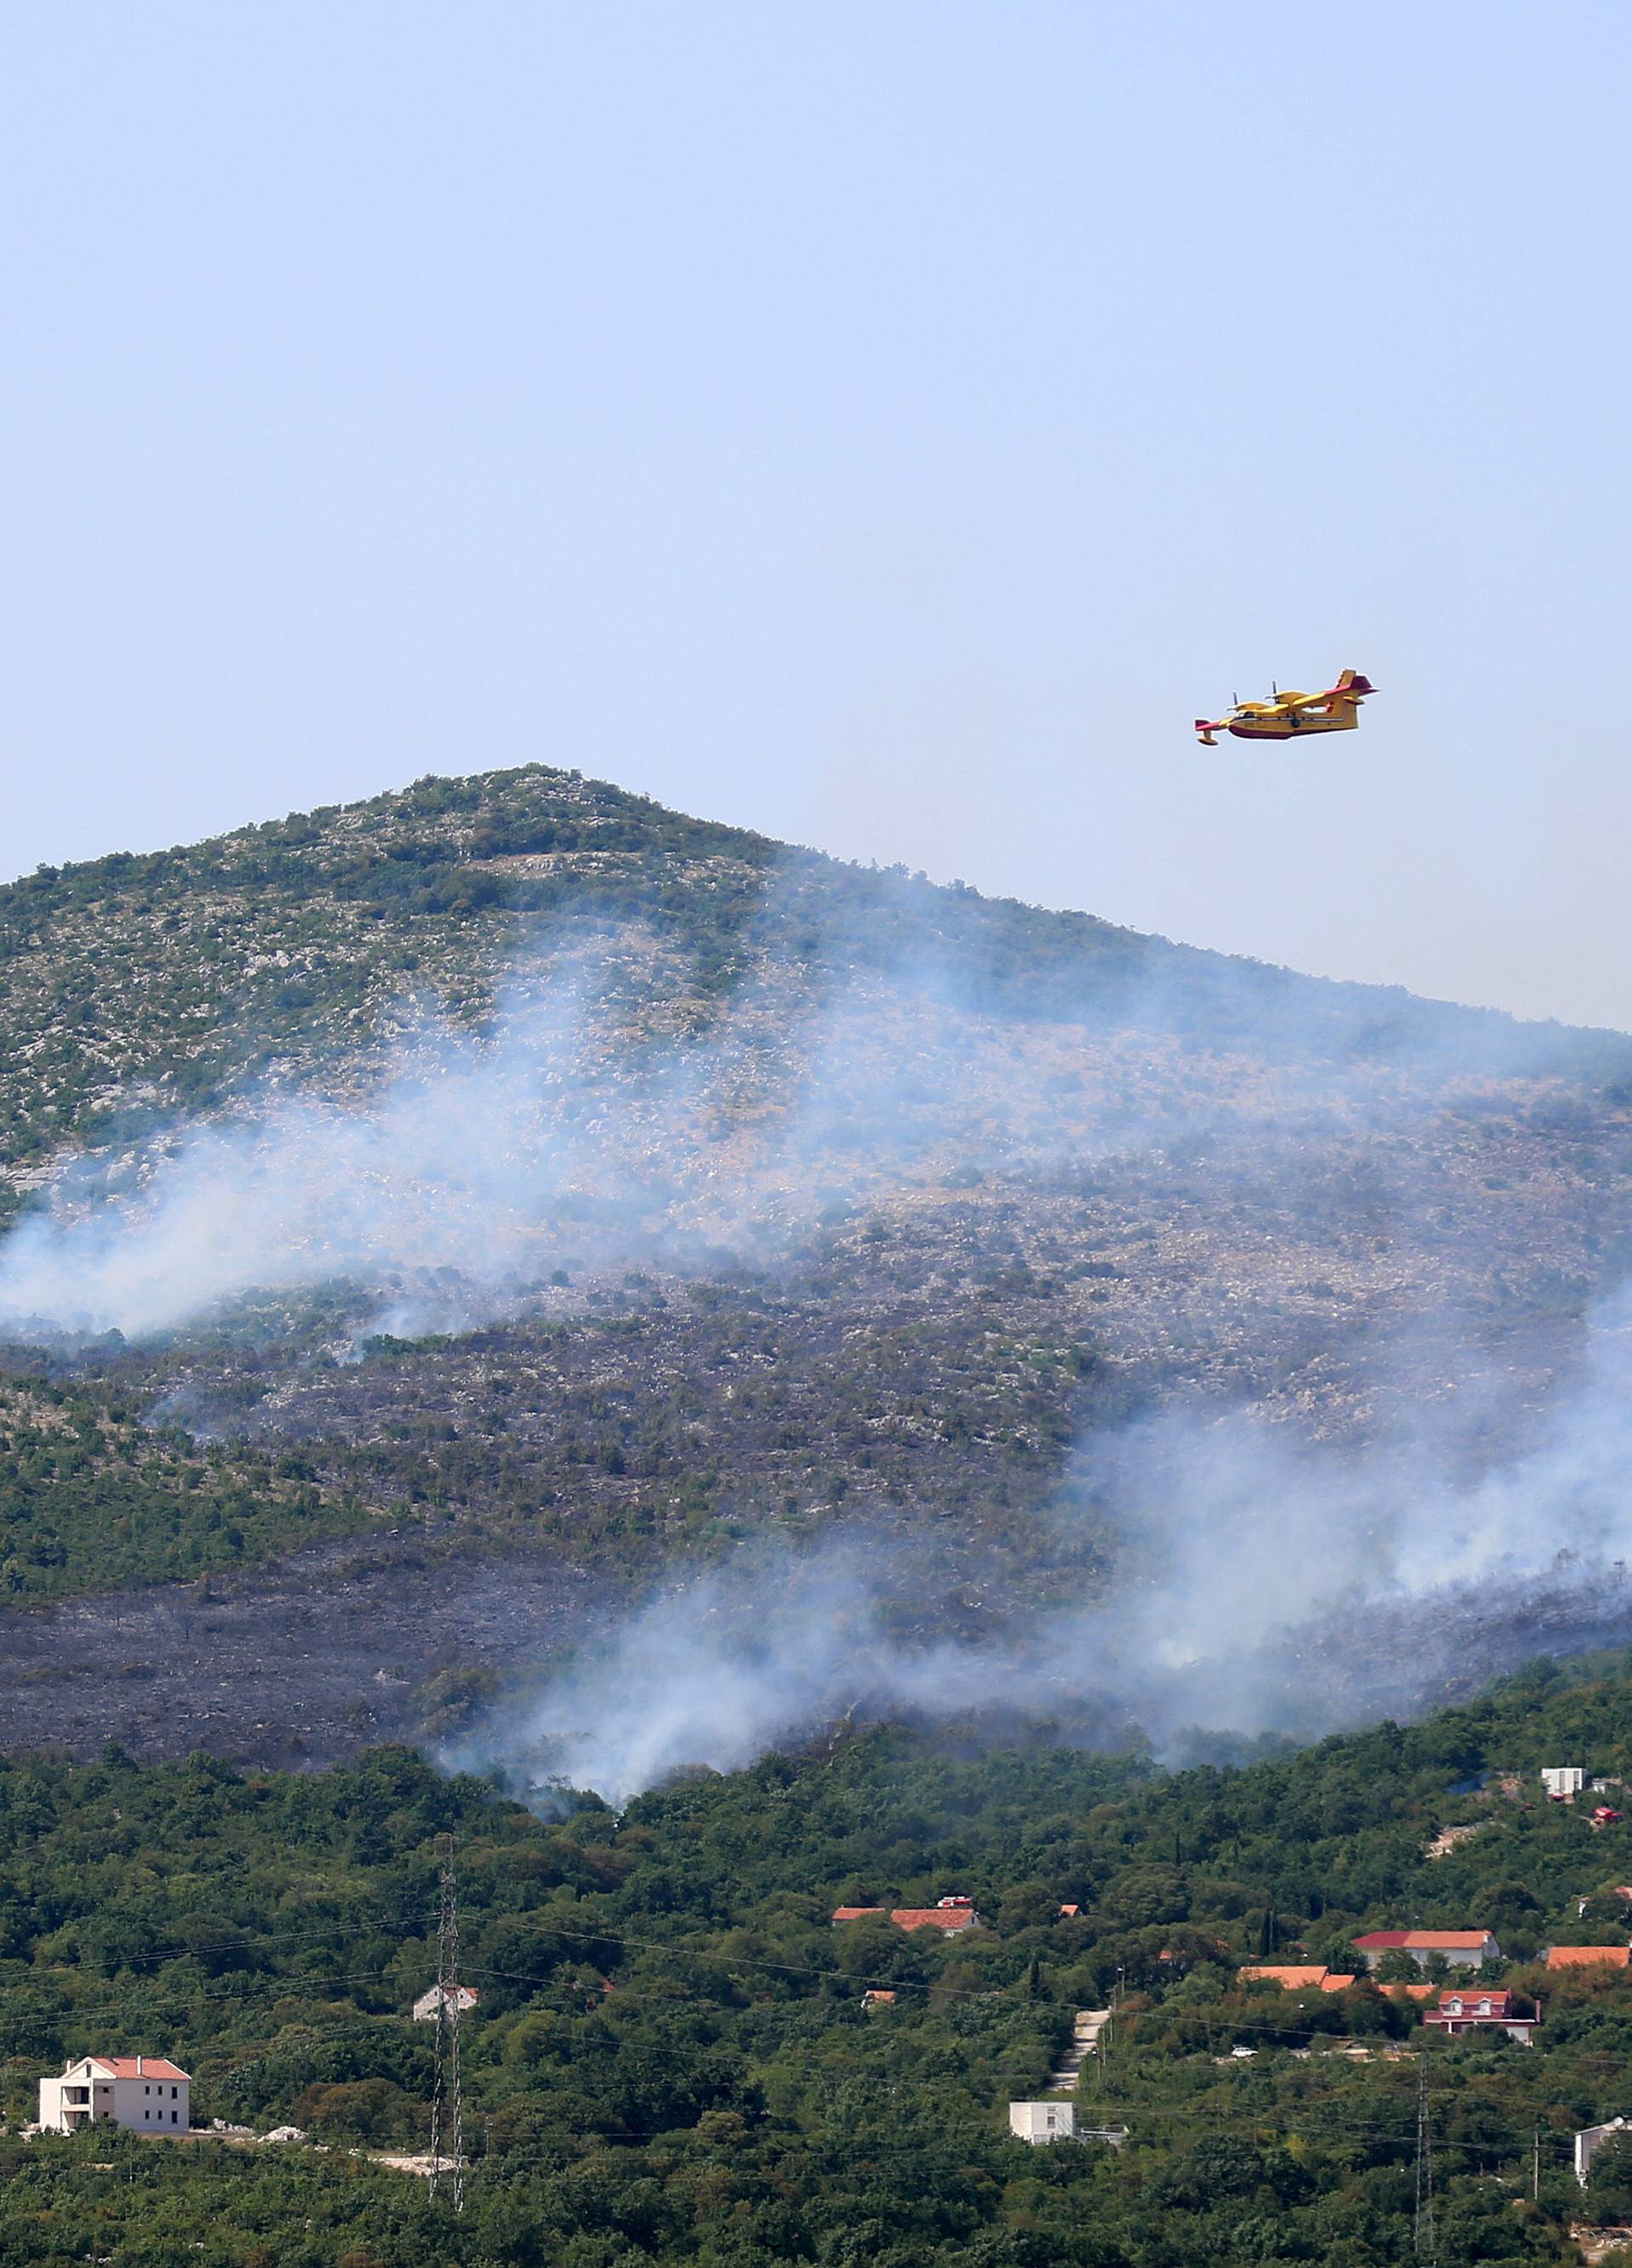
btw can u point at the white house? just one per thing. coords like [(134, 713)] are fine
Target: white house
[(1587, 2144), (461, 2001), (1043, 2122), (143, 2093), (1563, 1781)]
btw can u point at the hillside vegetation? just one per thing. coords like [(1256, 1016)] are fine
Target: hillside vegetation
[(135, 984), (1026, 1173), (670, 2060)]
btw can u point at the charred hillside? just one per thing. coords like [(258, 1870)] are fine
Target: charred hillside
[(512, 1174)]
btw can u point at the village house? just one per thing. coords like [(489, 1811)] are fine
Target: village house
[(1043, 2122), (1469, 2011), (145, 2093), (1563, 1782), (1622, 1890), (1603, 1957), (1457, 1948), (1589, 2140), (1293, 1979), (948, 1915), (461, 1998), (879, 1997)]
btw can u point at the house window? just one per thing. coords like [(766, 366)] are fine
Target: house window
[(173, 2118)]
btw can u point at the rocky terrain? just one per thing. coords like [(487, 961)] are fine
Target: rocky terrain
[(533, 1188)]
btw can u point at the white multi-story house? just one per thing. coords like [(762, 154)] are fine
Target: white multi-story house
[(145, 2094), (1043, 2122)]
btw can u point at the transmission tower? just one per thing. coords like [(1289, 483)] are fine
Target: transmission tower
[(1426, 2247), (447, 2109)]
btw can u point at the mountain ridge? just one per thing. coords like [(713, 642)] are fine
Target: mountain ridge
[(638, 1187), (415, 890)]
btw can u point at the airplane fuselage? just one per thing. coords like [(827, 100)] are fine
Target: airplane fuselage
[(1281, 728)]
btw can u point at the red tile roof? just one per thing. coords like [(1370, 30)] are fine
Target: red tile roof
[(1296, 1977), (1422, 1940), (1588, 1956), (951, 1914), (1473, 2001), (138, 2067), (943, 1918)]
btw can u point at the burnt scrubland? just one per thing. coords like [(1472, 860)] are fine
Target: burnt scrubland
[(831, 1202), (670, 2059), (440, 1228)]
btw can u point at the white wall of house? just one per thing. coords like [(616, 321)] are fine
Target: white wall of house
[(87, 2094), (1042, 2122), (1587, 2142)]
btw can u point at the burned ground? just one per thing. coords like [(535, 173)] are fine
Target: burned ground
[(941, 1217)]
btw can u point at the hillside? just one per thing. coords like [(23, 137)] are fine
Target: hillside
[(670, 2059), (495, 1193)]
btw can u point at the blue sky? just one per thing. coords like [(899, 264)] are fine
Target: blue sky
[(887, 426)]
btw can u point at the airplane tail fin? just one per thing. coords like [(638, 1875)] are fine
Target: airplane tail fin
[(1352, 683)]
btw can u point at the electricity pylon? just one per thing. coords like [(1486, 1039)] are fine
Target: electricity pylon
[(447, 2109), (1426, 2247)]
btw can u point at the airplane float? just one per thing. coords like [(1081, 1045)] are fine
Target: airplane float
[(1336, 710)]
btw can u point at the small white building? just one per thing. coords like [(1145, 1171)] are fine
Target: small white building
[(1043, 2122), (1588, 2142), (1563, 1781), (461, 1998), (145, 2093)]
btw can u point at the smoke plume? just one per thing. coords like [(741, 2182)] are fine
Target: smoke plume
[(1266, 1585), (1263, 1580)]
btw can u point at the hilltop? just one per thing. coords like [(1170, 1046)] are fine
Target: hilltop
[(143, 982), (515, 1170)]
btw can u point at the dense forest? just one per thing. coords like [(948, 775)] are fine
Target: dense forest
[(671, 2060)]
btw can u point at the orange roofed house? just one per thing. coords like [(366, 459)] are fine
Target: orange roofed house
[(1458, 1948), (1292, 1978), (1588, 1956), (948, 1915), (1463, 2009)]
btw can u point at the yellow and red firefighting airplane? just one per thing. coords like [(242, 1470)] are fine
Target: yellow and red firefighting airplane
[(1337, 711)]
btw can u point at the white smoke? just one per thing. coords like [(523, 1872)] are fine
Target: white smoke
[(568, 1137), (584, 1132), (1266, 1585), (590, 1130)]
